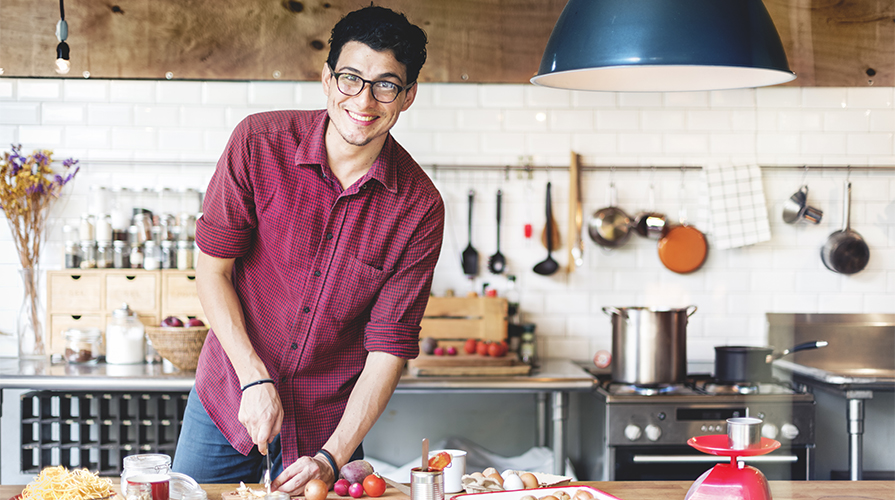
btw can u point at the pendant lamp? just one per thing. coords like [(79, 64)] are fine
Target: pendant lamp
[(663, 45)]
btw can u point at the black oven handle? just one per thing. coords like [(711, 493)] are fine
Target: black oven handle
[(680, 459)]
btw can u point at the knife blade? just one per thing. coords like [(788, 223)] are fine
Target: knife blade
[(424, 465), (398, 486), (267, 473)]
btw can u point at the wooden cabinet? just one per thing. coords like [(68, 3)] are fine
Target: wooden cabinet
[(85, 298)]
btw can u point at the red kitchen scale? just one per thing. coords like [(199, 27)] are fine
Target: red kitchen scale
[(733, 481)]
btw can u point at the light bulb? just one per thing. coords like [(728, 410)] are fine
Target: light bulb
[(63, 66)]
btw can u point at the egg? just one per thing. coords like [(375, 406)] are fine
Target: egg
[(513, 482), (497, 477), (477, 476), (529, 480), (583, 495)]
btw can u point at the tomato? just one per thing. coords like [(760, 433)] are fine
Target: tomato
[(374, 485), (470, 346), (316, 490), (494, 350), (482, 348)]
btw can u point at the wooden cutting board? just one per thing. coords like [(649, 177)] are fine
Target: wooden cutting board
[(390, 494), (467, 365)]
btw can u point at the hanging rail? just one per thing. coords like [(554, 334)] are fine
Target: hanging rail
[(525, 168)]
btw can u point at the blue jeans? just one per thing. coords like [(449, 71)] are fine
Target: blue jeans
[(204, 454)]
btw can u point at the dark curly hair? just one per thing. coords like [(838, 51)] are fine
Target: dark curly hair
[(381, 29)]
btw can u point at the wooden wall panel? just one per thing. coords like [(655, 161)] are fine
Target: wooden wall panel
[(828, 42)]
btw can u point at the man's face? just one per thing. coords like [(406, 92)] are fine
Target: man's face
[(361, 119)]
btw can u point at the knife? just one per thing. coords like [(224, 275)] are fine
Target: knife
[(398, 486)]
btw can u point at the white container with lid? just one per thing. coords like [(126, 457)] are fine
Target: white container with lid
[(125, 338)]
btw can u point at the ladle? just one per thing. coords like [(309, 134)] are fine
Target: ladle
[(497, 263), (548, 266)]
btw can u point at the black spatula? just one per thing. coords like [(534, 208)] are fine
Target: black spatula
[(470, 257)]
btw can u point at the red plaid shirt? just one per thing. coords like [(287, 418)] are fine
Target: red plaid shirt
[(325, 275)]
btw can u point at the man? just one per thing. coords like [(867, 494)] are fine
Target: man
[(319, 238)]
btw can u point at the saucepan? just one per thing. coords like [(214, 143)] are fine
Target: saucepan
[(752, 364), (845, 252)]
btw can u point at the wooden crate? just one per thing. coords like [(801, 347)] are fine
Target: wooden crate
[(455, 319)]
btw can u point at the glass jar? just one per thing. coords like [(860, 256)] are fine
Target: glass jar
[(103, 228), (143, 225), (88, 255), (136, 257), (184, 255), (125, 343), (146, 463), (168, 258), (104, 257), (85, 228), (528, 349), (72, 255), (121, 256), (196, 253), (82, 346), (151, 256), (122, 208)]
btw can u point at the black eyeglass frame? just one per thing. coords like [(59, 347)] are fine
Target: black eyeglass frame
[(372, 83)]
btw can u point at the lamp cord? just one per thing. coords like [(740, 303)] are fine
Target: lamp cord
[(62, 9)]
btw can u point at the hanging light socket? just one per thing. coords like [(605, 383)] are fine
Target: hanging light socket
[(663, 45), (63, 64)]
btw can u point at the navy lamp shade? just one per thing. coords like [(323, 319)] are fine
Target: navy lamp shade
[(663, 45)]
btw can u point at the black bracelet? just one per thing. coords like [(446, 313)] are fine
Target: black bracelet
[(257, 382), (331, 460)]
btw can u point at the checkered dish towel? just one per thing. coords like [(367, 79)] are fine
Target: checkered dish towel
[(737, 205)]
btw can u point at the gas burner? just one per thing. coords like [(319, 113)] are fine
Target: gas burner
[(722, 388), (616, 388)]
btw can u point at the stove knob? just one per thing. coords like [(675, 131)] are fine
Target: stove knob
[(632, 432), (769, 431), (653, 433), (789, 431)]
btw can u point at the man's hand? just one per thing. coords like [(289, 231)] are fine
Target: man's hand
[(261, 412), (296, 476)]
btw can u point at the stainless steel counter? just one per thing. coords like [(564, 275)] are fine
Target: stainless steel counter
[(551, 382)]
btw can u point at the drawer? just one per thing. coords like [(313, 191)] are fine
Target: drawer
[(140, 290), (60, 322), (179, 294), (74, 292)]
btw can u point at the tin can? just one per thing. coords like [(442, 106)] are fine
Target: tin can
[(426, 485)]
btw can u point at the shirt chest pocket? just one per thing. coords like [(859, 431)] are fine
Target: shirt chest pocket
[(356, 287)]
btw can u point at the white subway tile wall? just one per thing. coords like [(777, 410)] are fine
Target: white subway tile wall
[(511, 125)]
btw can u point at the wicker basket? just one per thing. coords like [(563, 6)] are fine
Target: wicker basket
[(179, 345)]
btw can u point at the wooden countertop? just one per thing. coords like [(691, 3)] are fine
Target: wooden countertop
[(655, 490)]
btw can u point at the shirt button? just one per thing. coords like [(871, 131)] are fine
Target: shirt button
[(329, 236), (364, 186), (294, 346), (306, 309), (316, 273)]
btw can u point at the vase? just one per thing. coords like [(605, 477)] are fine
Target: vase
[(30, 321)]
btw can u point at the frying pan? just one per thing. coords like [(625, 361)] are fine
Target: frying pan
[(846, 251), (683, 249)]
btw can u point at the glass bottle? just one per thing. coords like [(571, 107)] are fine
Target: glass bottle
[(85, 228), (528, 348), (125, 337), (103, 228)]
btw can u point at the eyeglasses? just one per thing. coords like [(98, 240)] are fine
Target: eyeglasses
[(383, 91)]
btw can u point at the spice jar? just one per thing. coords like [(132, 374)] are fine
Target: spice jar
[(168, 259), (88, 255), (121, 258), (151, 256), (104, 257), (72, 255), (184, 255), (124, 337), (82, 346)]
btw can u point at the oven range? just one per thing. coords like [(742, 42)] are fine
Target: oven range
[(641, 433)]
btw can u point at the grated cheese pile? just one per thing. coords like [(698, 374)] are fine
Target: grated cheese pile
[(57, 483)]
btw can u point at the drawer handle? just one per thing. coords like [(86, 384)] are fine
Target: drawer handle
[(130, 278), (191, 278), (75, 277), (76, 317)]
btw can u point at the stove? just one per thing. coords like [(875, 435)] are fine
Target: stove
[(642, 431)]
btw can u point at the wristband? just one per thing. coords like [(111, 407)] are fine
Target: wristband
[(331, 461), (257, 382)]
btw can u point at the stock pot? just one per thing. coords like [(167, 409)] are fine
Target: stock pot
[(649, 346)]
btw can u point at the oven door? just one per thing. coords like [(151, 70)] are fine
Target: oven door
[(683, 463)]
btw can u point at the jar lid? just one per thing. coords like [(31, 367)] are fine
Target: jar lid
[(123, 311), (146, 460), (85, 334)]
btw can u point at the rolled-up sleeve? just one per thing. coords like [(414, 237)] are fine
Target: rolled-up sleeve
[(227, 225), (394, 324)]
